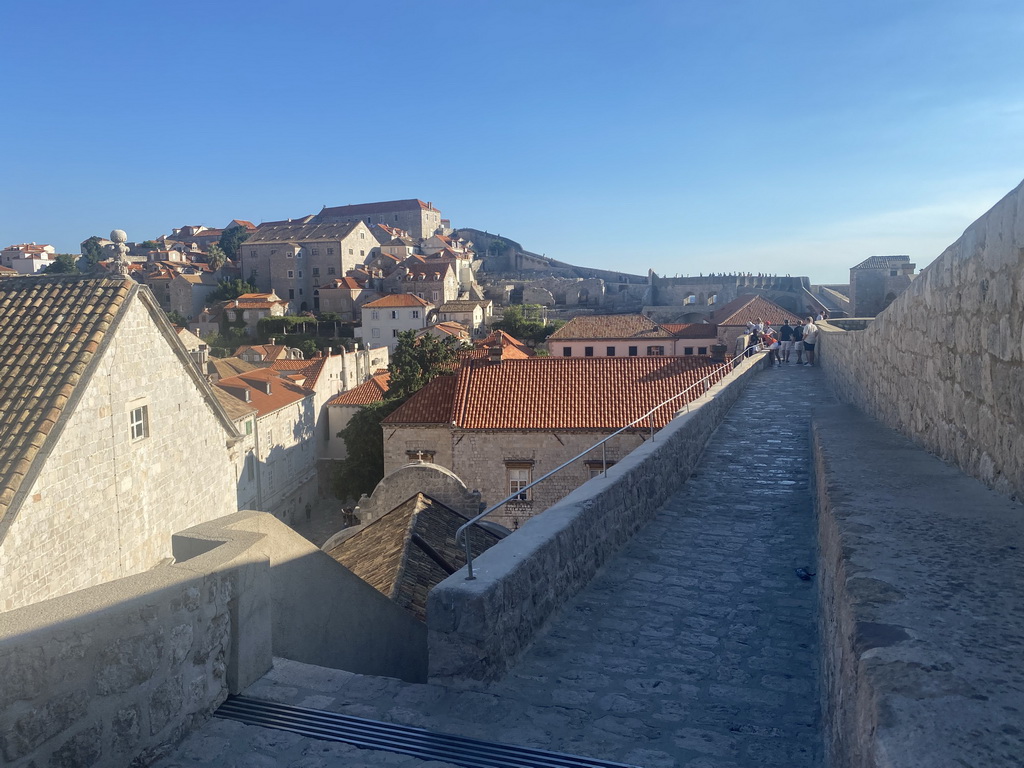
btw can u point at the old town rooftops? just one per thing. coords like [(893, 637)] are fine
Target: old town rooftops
[(566, 393)]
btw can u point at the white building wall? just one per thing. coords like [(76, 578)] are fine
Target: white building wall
[(105, 506)]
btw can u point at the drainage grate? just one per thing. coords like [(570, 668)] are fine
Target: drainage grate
[(416, 742)]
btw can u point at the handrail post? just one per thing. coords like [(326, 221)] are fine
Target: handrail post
[(604, 458)]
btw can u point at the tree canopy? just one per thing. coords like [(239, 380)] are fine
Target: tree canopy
[(414, 363), (62, 263), (523, 322), (230, 239), (93, 250), (231, 289), (215, 256)]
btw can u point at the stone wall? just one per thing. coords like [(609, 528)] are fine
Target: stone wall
[(477, 629), (104, 505), (944, 364), (119, 673)]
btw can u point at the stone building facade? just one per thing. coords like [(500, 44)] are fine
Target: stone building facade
[(293, 259), (134, 448), (416, 217), (877, 281)]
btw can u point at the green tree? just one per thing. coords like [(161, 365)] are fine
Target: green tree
[(177, 318), (414, 363), (230, 239), (523, 322), (216, 257), (231, 289), (93, 250), (63, 263)]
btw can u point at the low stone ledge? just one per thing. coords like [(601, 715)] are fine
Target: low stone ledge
[(477, 629), (921, 575)]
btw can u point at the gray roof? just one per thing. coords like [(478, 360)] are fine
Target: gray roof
[(297, 232), (883, 262)]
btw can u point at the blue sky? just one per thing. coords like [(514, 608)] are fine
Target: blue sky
[(784, 136)]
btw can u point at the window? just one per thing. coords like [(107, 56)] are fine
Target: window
[(250, 467), (375, 333), (655, 350), (632, 351), (315, 251), (332, 271), (596, 468), (687, 350), (520, 474), (248, 427), (290, 255), (138, 422), (892, 273), (330, 251), (300, 274), (394, 333), (350, 251), (394, 314), (702, 350), (435, 295), (252, 254), (691, 299), (291, 293), (611, 351), (375, 314), (300, 291), (362, 235), (299, 255), (316, 271), (273, 251), (566, 351), (588, 351), (362, 253), (415, 314), (291, 274)]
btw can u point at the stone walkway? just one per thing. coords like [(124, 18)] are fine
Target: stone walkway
[(696, 646)]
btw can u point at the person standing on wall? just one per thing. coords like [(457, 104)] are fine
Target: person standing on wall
[(798, 341), (786, 340), (810, 339)]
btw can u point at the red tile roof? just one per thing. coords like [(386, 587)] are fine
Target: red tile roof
[(692, 330), (282, 391), (398, 300), (743, 309), (545, 393), (370, 391), (310, 369), (608, 327)]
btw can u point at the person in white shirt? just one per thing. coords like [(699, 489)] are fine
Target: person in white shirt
[(810, 339)]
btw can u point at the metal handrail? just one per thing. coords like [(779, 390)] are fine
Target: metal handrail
[(462, 531)]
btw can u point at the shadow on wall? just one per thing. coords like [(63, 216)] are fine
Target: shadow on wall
[(943, 364), (125, 669)]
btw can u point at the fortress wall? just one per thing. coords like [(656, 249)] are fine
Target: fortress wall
[(944, 363), (477, 629)]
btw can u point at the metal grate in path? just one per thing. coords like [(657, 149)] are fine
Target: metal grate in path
[(390, 737)]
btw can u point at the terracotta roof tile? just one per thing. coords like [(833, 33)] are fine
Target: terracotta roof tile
[(370, 391), (282, 391), (571, 393), (398, 300), (50, 330), (606, 327), (692, 330), (750, 307)]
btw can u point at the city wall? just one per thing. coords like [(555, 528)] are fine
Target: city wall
[(944, 363), (477, 629), (123, 671)]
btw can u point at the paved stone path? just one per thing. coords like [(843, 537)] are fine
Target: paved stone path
[(696, 646)]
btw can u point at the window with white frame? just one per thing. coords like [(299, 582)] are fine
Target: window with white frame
[(375, 333), (375, 314), (520, 475), (138, 422), (415, 314), (394, 314)]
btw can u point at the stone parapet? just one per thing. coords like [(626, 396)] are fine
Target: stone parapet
[(919, 573), (477, 629)]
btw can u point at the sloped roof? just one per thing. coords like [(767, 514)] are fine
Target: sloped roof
[(310, 369), (389, 206), (398, 300), (270, 352), (287, 232), (50, 331), (282, 391), (607, 327), (231, 366), (349, 283), (883, 262), (744, 309), (370, 391), (410, 550), (450, 328), (567, 393), (692, 330), (236, 409), (459, 305), (241, 223)]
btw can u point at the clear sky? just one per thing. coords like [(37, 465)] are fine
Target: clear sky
[(785, 136)]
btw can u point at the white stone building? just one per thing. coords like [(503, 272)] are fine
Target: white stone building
[(111, 439), (419, 219), (27, 258), (388, 316)]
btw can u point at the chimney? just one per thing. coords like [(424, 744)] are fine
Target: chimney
[(494, 353), (272, 341), (266, 387)]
